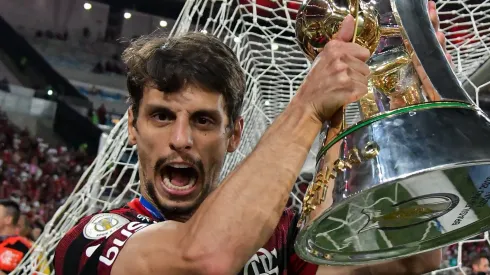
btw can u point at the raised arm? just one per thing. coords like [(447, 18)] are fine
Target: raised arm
[(240, 216), (237, 218)]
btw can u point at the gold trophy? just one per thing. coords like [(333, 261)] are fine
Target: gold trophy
[(407, 170)]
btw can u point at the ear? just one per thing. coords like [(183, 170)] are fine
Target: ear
[(236, 135), (131, 128)]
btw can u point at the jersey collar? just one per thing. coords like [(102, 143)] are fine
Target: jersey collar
[(146, 208)]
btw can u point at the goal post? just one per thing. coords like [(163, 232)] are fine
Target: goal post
[(261, 33)]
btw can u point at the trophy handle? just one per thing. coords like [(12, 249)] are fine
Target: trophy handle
[(413, 15)]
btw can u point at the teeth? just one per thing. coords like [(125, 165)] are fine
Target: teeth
[(169, 184), (179, 166)]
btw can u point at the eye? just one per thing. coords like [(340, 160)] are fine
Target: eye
[(202, 120), (160, 116)]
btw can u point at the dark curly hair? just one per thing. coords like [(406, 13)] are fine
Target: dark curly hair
[(169, 64)]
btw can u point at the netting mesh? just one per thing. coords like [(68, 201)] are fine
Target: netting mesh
[(261, 32)]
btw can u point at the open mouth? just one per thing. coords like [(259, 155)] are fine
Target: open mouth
[(179, 177)]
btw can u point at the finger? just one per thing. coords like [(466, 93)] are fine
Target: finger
[(358, 66), (346, 31), (356, 51), (442, 39), (434, 18), (359, 90), (431, 4), (343, 49), (357, 77), (355, 92)]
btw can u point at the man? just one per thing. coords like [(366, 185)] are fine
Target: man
[(186, 98), (479, 266), (12, 246)]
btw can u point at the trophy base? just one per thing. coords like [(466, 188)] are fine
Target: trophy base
[(426, 186)]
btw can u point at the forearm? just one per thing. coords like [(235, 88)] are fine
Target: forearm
[(239, 217)]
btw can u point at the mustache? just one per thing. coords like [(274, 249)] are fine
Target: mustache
[(161, 162)]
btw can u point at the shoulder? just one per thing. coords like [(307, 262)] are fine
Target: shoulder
[(277, 255), (99, 225), (96, 240), (12, 250), (104, 224), (17, 242)]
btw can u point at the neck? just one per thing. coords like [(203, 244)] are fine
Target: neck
[(8, 230), (167, 215), (179, 218)]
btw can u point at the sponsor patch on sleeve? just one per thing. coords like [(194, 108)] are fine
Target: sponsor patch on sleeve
[(103, 225)]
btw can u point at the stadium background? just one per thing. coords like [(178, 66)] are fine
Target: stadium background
[(63, 98)]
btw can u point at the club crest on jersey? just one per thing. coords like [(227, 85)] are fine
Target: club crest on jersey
[(103, 225), (262, 263)]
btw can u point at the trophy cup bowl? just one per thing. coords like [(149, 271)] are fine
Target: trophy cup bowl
[(410, 172)]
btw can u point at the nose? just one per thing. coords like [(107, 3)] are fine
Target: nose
[(181, 136)]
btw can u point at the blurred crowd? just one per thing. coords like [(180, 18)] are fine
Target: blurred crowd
[(100, 52), (113, 65), (474, 258), (98, 116), (35, 175), (63, 36)]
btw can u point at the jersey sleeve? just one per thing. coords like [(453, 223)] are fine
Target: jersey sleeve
[(92, 246), (296, 265)]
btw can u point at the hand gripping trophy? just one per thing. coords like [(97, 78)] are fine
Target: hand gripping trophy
[(412, 174)]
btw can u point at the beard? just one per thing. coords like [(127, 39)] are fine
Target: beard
[(172, 211), (181, 212)]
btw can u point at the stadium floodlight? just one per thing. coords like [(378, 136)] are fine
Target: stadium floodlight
[(272, 77), (87, 6)]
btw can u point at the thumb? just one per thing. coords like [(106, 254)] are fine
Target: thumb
[(346, 31)]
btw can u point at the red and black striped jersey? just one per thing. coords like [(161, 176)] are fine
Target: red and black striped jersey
[(12, 250), (92, 246)]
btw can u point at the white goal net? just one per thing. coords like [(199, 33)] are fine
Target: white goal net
[(261, 32)]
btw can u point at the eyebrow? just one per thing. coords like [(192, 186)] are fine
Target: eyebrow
[(213, 113), (154, 108)]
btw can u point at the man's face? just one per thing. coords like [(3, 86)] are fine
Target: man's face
[(482, 266), (182, 139)]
